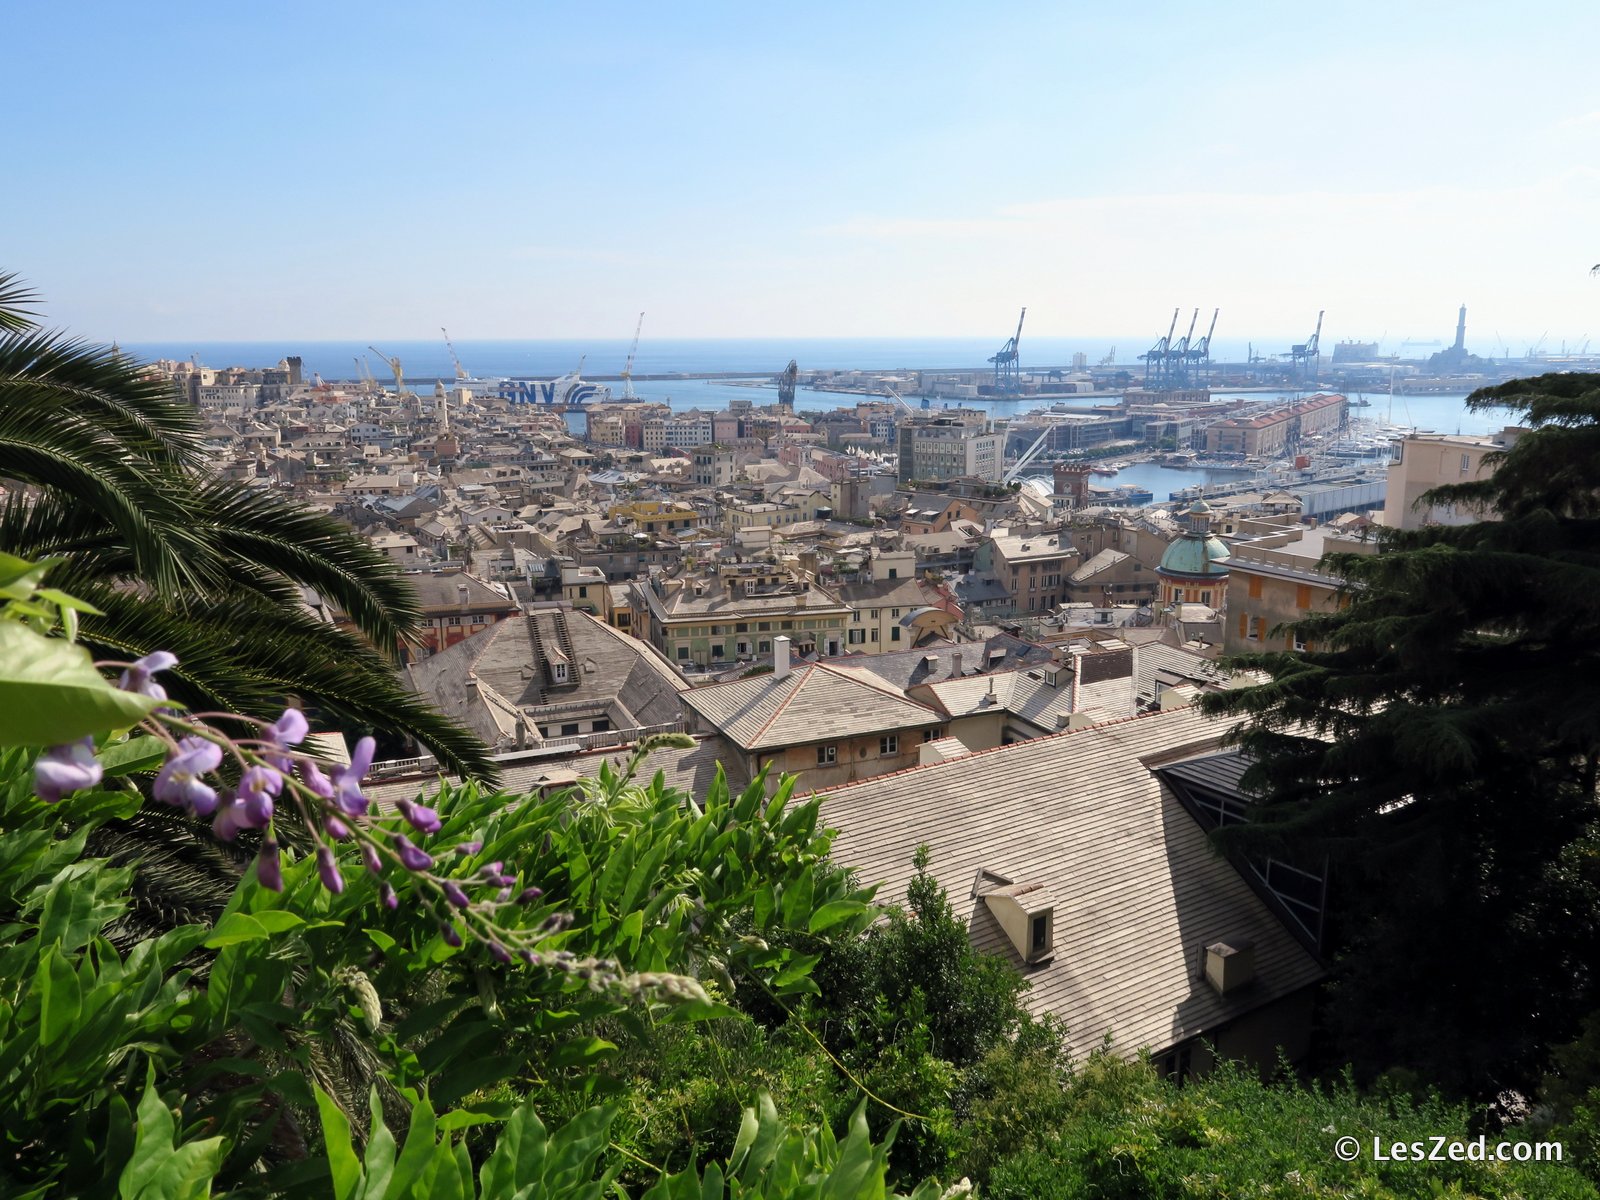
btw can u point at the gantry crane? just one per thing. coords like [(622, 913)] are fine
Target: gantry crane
[(1199, 355), (1308, 352), (1155, 358), (1007, 367), (627, 367), (461, 372)]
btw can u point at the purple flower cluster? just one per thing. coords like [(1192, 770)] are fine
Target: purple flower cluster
[(273, 772)]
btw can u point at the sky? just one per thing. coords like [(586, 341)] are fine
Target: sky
[(217, 171)]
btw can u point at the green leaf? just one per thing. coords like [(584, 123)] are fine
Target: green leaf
[(153, 1141), (797, 900), (518, 1158), (831, 913), (60, 997), (234, 928), (135, 754), (278, 920), (343, 1165), (51, 693)]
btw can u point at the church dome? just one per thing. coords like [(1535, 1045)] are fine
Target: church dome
[(1196, 555)]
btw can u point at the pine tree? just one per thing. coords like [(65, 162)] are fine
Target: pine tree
[(1440, 747)]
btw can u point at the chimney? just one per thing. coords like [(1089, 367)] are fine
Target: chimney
[(955, 665), (463, 596), (780, 657)]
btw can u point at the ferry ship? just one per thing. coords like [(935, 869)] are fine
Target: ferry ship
[(569, 391)]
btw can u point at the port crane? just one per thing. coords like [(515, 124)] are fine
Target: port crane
[(1198, 356), (461, 372), (1155, 358), (627, 367), (394, 365), (1007, 368), (1310, 351)]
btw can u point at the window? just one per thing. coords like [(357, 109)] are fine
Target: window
[(889, 744), (558, 672), (929, 734), (894, 634), (874, 635), (1302, 595), (895, 613), (1466, 463), (764, 627), (894, 572), (583, 592), (1301, 644), (855, 615), (601, 725), (857, 636), (1039, 933), (455, 620), (1205, 597), (826, 755), (743, 649), (766, 646), (716, 650), (1255, 587), (477, 619), (570, 730), (1254, 634), (742, 627), (683, 652)]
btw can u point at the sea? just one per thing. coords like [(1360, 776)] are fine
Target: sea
[(760, 359)]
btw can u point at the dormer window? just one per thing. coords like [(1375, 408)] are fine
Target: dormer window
[(558, 672), (1039, 934)]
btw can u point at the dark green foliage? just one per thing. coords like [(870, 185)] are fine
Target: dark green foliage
[(1441, 747), (1123, 1134)]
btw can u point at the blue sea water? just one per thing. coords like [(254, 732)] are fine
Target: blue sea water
[(427, 360)]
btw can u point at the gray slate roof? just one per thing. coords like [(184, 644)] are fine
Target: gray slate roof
[(1138, 890), (486, 680), (814, 703)]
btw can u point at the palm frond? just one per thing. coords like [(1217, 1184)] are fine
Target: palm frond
[(16, 300)]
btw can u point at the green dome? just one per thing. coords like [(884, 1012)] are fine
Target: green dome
[(1195, 554)]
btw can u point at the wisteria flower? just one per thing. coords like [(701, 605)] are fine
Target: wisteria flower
[(139, 675), (269, 868), (347, 779), (62, 770), (316, 782), (230, 819), (288, 730), (179, 781), (328, 869), (369, 856), (421, 818), (412, 856), (454, 894), (257, 787)]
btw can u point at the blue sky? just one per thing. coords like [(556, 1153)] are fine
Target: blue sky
[(216, 171)]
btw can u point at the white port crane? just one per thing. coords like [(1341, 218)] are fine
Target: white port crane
[(627, 368), (461, 372)]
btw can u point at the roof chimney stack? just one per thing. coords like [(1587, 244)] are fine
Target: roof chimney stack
[(463, 596), (780, 657)]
